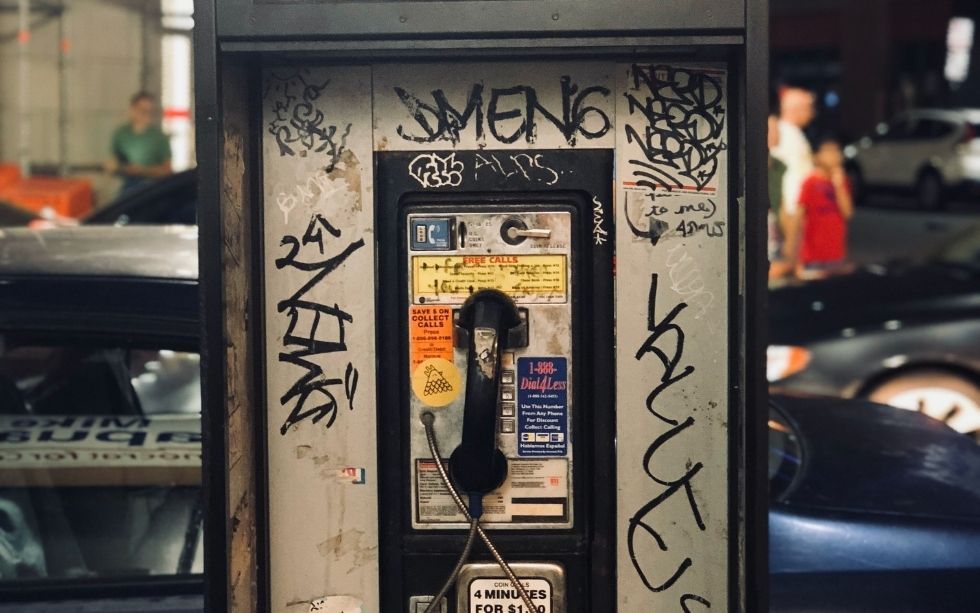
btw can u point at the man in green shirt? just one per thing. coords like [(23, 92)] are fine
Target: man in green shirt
[(140, 150)]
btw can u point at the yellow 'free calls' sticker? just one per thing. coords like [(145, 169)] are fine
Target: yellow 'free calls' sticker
[(436, 382)]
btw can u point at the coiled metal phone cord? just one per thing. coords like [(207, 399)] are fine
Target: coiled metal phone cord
[(428, 419)]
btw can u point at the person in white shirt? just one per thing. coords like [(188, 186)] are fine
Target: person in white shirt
[(797, 110)]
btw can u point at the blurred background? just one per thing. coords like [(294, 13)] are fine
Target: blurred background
[(67, 72)]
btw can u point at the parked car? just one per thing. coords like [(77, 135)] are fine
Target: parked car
[(102, 390), (170, 200), (872, 509), (905, 334), (13, 215), (930, 152), (100, 456)]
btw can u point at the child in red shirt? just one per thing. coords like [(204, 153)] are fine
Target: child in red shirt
[(825, 201)]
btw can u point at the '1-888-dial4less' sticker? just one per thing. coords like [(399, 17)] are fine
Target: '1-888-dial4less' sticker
[(542, 407)]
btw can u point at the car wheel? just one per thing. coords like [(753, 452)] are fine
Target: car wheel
[(856, 179), (929, 190), (948, 397)]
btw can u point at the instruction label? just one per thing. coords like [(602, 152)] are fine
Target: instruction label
[(528, 279), (497, 595), (536, 491), (542, 406), (430, 333)]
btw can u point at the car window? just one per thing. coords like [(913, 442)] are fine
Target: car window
[(899, 129), (177, 205), (100, 461), (84, 379), (166, 381), (931, 129), (170, 201), (942, 129), (785, 455)]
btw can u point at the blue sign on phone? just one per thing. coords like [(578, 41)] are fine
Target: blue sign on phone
[(431, 234), (542, 407)]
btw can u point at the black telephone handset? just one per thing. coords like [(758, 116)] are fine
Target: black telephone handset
[(477, 466)]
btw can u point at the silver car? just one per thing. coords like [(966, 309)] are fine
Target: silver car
[(930, 152)]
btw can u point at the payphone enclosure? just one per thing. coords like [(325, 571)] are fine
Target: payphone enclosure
[(372, 186)]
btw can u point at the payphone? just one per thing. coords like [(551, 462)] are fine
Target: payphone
[(505, 405), (485, 304), (483, 299), (499, 383)]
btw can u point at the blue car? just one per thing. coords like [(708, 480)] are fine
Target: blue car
[(872, 508)]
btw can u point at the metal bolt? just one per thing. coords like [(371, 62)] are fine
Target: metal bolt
[(403, 19), (555, 17)]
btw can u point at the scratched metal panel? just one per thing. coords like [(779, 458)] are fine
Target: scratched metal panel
[(285, 19), (672, 338), (495, 106), (320, 351)]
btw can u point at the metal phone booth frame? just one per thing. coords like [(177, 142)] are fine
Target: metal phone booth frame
[(304, 107)]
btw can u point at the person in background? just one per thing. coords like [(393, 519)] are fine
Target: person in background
[(796, 111), (140, 149), (778, 266), (825, 201)]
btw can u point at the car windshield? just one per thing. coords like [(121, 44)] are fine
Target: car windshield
[(962, 250), (100, 461), (785, 455)]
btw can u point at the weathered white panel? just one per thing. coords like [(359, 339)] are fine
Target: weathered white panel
[(495, 106), (672, 339), (320, 350)]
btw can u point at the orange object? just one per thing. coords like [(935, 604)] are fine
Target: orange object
[(430, 333), (68, 197), (9, 173)]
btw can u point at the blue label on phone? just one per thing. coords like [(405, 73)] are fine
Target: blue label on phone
[(431, 234), (542, 406)]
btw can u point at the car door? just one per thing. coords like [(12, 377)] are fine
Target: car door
[(930, 141), (904, 153), (936, 142), (100, 462), (879, 159)]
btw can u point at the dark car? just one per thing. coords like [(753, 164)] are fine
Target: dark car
[(171, 200), (872, 509), (13, 215), (904, 334), (100, 456), (99, 385)]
